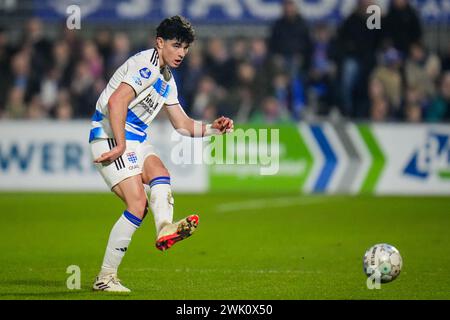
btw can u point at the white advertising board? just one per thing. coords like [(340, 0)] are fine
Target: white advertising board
[(55, 156)]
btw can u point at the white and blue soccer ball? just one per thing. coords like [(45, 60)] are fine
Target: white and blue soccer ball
[(384, 261)]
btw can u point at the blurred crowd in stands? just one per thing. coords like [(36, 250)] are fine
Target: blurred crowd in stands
[(300, 71)]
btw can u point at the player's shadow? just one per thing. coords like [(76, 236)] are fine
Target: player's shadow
[(33, 288), (33, 283)]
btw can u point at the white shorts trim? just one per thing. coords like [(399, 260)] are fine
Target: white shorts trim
[(129, 164)]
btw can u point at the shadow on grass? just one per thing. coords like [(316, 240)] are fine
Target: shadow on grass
[(33, 283), (65, 295), (35, 289)]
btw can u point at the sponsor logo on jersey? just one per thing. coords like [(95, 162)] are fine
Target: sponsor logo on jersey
[(137, 80), (131, 156), (148, 104), (145, 73)]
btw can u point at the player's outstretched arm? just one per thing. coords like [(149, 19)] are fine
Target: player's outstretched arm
[(192, 128)]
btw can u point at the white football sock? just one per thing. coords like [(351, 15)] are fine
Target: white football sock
[(118, 242), (161, 201)]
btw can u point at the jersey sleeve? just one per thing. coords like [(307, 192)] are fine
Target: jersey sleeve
[(139, 75), (172, 97)]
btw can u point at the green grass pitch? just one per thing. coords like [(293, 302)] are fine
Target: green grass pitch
[(247, 246)]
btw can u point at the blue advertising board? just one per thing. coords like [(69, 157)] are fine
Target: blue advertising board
[(220, 11)]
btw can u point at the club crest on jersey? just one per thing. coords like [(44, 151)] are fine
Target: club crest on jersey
[(131, 156), (145, 73), (137, 80)]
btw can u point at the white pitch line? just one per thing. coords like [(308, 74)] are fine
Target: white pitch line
[(269, 203)]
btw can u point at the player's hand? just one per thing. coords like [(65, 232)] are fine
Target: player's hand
[(223, 124), (111, 155)]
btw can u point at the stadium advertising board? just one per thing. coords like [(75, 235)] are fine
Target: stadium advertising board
[(418, 159), (288, 169), (220, 11), (351, 159), (55, 156), (311, 158)]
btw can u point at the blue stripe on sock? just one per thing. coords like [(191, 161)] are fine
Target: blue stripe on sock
[(159, 180), (133, 219)]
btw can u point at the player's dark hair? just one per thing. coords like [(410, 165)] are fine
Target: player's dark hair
[(176, 27)]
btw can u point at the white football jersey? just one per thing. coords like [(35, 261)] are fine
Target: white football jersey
[(142, 72)]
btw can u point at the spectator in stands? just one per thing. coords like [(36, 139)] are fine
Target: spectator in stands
[(379, 106), (49, 90), (260, 60), (72, 39), (281, 90), (290, 38), (216, 62), (322, 73), (270, 113), (440, 107), (82, 89), (64, 111), (103, 40), (120, 52), (290, 44), (242, 97), (190, 73), (356, 48), (388, 74), (207, 93), (413, 105), (93, 59), (21, 72), (239, 54), (63, 63), (64, 108), (446, 59), (15, 106), (35, 109), (40, 46), (6, 52), (258, 55), (421, 71), (402, 26), (379, 110)]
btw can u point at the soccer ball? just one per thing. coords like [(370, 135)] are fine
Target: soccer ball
[(384, 260)]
